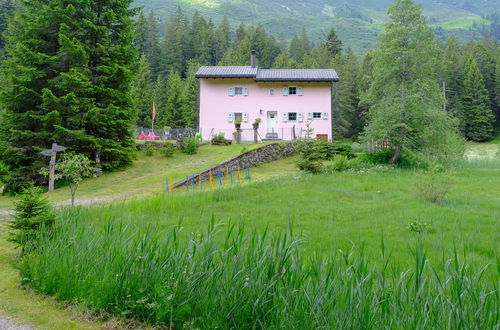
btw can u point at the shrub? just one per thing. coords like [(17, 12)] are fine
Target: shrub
[(434, 185), (190, 145), (168, 149), (374, 158), (312, 166), (32, 211), (321, 150), (149, 149), (338, 163)]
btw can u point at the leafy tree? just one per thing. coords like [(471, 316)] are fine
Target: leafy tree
[(143, 93), (32, 212), (405, 97), (333, 43), (477, 112), (176, 114), (68, 80), (73, 169)]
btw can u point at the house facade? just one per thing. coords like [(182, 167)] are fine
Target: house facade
[(284, 101)]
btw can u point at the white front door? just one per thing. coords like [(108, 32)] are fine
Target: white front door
[(272, 122)]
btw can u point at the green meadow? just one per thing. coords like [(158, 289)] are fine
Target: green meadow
[(287, 250)]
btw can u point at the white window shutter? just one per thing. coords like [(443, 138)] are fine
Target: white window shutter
[(285, 91), (245, 91), (300, 117), (325, 115), (285, 117), (309, 115), (231, 91), (230, 117), (300, 92), (245, 117)]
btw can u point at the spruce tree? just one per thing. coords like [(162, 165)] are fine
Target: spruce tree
[(192, 92), (141, 33), (6, 11), (68, 81), (153, 49), (497, 91), (143, 93), (239, 55), (477, 112), (406, 103), (333, 43), (175, 46), (176, 113), (453, 61), (222, 40)]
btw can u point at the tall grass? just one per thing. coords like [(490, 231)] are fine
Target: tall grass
[(232, 277)]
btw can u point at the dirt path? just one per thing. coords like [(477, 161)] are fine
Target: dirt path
[(8, 325)]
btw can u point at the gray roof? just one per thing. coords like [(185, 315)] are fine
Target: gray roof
[(226, 72), (297, 75), (267, 75)]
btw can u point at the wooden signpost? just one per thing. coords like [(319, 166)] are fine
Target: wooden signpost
[(52, 153)]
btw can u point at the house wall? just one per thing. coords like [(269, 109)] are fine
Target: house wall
[(216, 104)]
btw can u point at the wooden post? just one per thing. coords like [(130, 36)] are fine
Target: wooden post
[(52, 165)]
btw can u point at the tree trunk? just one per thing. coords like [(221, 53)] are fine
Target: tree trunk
[(397, 154)]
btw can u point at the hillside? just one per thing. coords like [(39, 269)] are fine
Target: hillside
[(358, 22)]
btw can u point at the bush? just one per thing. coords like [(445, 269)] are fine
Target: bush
[(149, 149), (168, 149), (190, 145), (375, 158), (433, 186), (338, 163), (312, 166), (321, 150), (32, 212), (219, 137)]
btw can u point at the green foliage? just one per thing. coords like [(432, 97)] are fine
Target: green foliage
[(404, 98), (72, 170), (32, 212), (219, 137), (67, 79), (217, 278), (321, 150), (176, 113), (142, 90), (168, 149), (476, 105), (434, 185), (333, 43), (338, 163), (190, 145), (310, 165), (149, 149)]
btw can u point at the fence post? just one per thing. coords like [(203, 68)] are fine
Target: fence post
[(168, 186)]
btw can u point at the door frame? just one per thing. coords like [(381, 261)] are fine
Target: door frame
[(268, 130)]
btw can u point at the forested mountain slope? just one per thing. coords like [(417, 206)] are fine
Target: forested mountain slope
[(358, 22)]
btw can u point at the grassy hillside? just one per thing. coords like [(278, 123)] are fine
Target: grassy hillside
[(358, 22)]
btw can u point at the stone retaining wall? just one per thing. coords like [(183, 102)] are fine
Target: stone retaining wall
[(265, 154)]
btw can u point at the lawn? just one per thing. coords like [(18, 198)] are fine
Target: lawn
[(330, 213), (145, 177)]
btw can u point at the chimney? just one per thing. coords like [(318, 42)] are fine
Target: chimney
[(253, 59)]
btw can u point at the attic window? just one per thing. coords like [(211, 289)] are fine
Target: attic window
[(238, 91)]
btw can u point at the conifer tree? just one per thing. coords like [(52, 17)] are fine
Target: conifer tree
[(477, 112), (141, 33), (452, 58), (405, 97), (143, 93), (497, 91), (153, 50), (221, 40), (6, 11), (333, 43), (239, 55), (68, 81), (175, 45), (202, 40), (192, 92), (284, 62), (240, 33), (176, 113)]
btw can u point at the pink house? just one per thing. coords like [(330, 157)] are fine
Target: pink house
[(284, 100)]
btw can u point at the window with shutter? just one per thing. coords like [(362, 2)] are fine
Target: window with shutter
[(231, 91), (230, 117), (300, 91), (309, 115), (245, 117), (300, 117), (292, 116), (245, 91), (317, 115), (285, 91), (325, 115), (271, 92), (285, 117)]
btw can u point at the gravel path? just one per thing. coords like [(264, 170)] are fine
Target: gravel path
[(7, 325)]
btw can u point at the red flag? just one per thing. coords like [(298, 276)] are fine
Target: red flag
[(154, 111)]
